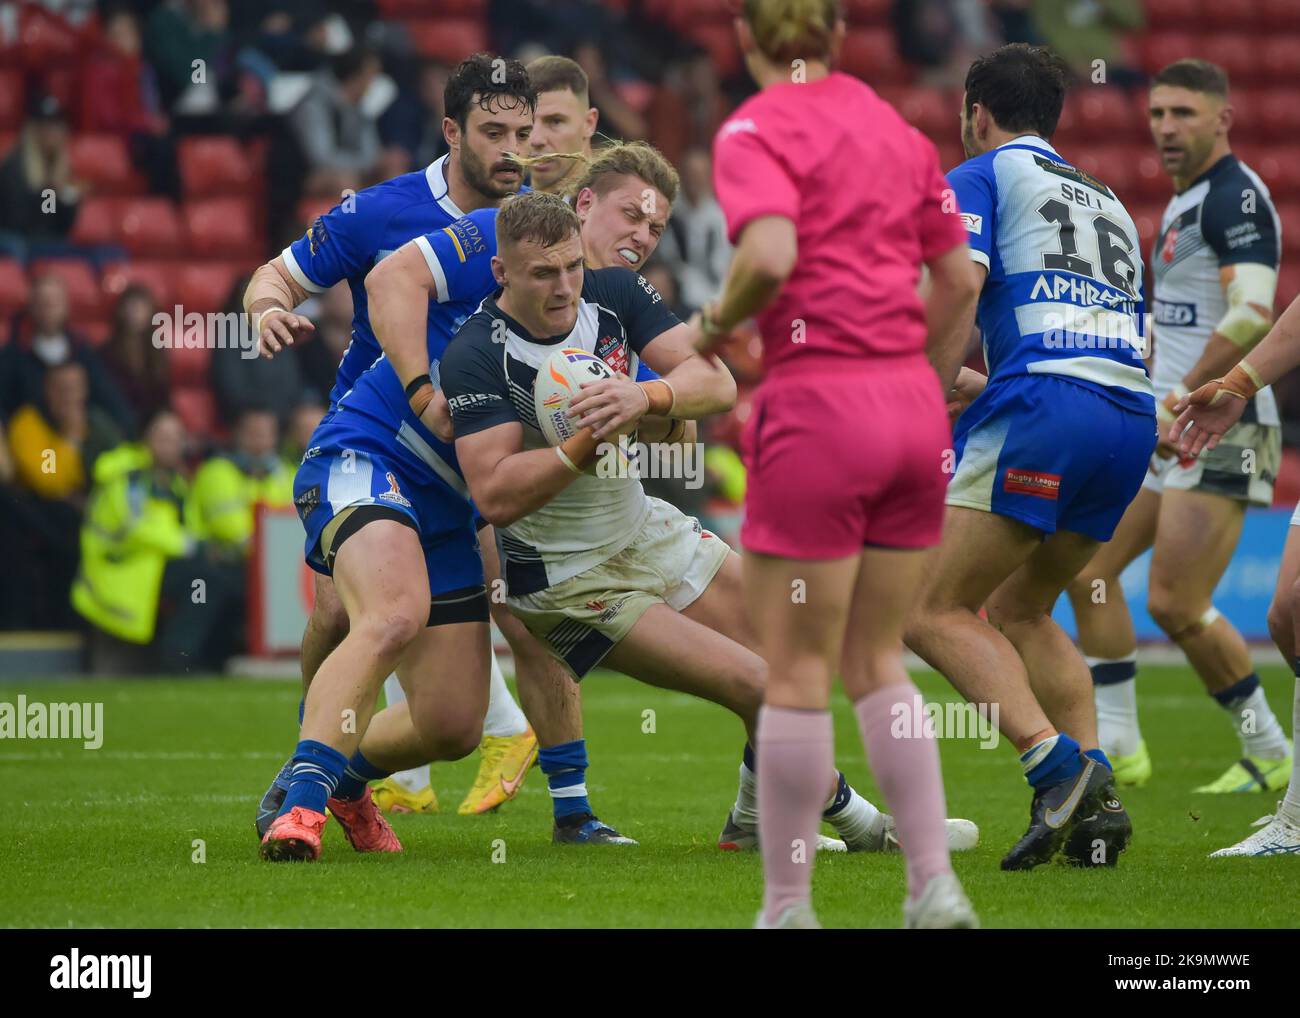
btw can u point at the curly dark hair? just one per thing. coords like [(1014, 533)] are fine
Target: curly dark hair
[(1022, 86), (482, 79)]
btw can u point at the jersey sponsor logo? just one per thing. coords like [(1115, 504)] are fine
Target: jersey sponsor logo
[(467, 237), (1087, 292), (1242, 235), (394, 493), (311, 453), (735, 126), (613, 352), (317, 235), (649, 288), (973, 223), (1032, 482), (472, 399), (1072, 173), (1168, 312), (307, 501)]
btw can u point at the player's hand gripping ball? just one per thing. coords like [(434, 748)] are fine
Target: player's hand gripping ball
[(558, 383)]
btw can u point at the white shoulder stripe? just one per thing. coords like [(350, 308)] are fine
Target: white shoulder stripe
[(295, 270), (435, 268)]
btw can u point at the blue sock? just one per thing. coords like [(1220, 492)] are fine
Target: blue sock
[(1238, 692), (302, 709), (317, 769), (1100, 757), (359, 773), (1060, 764), (1110, 672), (565, 767), (843, 793)]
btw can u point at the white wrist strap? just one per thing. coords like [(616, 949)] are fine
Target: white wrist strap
[(565, 460)]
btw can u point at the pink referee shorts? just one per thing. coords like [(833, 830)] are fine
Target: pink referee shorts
[(844, 458)]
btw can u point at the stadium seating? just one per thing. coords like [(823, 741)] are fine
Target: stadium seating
[(214, 165), (150, 226), (103, 161), (221, 227), (154, 276), (447, 39), (205, 286), (11, 98), (196, 406), (871, 53), (13, 287), (84, 296)]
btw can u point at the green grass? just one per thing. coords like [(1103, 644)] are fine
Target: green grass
[(104, 838)]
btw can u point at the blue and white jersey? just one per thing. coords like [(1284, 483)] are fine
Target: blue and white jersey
[(1064, 289), (347, 241)]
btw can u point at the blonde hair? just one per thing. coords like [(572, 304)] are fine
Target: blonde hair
[(788, 30), (630, 159)]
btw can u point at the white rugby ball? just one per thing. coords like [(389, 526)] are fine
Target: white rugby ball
[(559, 381)]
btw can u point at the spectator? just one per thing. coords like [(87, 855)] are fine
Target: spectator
[(52, 445), (943, 36), (38, 198), (241, 380), (139, 370), (228, 486), (413, 123), (696, 239), (119, 95), (302, 425), (338, 138), (180, 32), (42, 339), (1087, 31), (617, 116)]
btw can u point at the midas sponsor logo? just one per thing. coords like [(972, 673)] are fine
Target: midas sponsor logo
[(1032, 482), (75, 971)]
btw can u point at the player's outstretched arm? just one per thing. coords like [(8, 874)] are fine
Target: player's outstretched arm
[(954, 290), (269, 299), (397, 291), (1217, 405)]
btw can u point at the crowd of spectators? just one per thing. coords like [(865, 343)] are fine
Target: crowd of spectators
[(337, 95)]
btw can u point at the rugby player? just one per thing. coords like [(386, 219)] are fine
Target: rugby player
[(1049, 453), (1208, 415), (1215, 265), (848, 435), (560, 145), (595, 568), (345, 244)]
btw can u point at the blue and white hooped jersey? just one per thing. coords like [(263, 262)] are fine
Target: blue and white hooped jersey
[(1064, 288), (347, 241)]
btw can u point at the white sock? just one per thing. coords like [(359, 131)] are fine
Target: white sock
[(416, 778), (1117, 710), (745, 812), (1260, 731), (504, 718), (857, 822), (1291, 802)]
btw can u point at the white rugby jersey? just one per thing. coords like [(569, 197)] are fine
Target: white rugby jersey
[(1225, 217), (487, 375)]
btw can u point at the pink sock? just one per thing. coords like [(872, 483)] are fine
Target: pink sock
[(907, 771), (795, 768)]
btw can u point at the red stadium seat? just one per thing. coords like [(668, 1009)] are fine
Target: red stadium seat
[(868, 12), (1231, 15), (1279, 59), (205, 286), (196, 406), (1279, 115), (932, 111), (1150, 182), (150, 226), (188, 366), (1106, 114), (1147, 219), (102, 160), (1288, 286), (1172, 14), (448, 39), (1279, 14), (1162, 48), (1280, 168), (84, 294), (11, 99), (1248, 115), (688, 14), (1289, 214), (872, 55), (96, 332), (214, 165), (221, 227), (1114, 166), (99, 221), (1236, 52), (44, 38), (13, 291), (156, 277), (720, 41)]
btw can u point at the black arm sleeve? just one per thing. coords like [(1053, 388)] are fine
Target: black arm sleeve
[(640, 308), (1237, 222)]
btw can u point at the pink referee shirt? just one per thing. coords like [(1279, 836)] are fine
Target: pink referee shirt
[(869, 205)]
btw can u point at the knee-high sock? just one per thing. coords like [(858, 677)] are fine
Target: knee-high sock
[(795, 767), (504, 718), (417, 777), (1291, 802), (907, 771)]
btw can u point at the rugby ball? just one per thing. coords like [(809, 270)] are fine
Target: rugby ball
[(559, 381)]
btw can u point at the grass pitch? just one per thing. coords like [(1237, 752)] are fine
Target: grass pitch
[(107, 838)]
